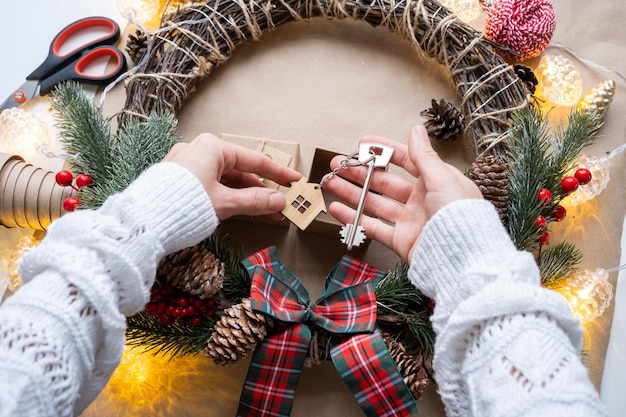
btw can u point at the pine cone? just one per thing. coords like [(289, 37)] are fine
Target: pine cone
[(194, 270), (491, 176), (527, 76), (136, 46), (444, 121), (598, 99), (411, 368), (236, 333)]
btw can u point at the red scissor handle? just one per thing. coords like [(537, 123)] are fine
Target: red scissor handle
[(78, 70), (55, 60)]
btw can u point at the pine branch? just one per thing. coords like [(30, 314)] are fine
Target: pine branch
[(176, 340), (83, 130), (557, 262), (421, 328), (537, 159), (402, 310), (395, 292), (566, 146), (112, 162), (527, 153), (141, 145)]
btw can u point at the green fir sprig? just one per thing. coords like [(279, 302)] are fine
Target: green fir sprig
[(112, 160), (176, 340), (85, 133), (395, 292), (538, 158), (403, 310), (557, 262), (527, 151)]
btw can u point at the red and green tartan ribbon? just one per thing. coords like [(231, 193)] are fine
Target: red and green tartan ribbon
[(347, 307)]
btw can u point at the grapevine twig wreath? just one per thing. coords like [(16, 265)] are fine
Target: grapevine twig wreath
[(202, 293), (488, 87)]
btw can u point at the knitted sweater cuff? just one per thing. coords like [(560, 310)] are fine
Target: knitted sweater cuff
[(166, 209), (171, 202), (463, 248)]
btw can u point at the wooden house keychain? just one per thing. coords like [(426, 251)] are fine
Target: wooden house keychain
[(305, 199)]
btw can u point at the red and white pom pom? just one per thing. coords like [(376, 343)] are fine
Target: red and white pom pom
[(522, 26)]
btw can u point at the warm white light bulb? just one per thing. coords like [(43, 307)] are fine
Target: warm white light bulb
[(25, 244), (559, 81), (22, 132), (142, 11), (465, 10), (599, 168), (589, 293)]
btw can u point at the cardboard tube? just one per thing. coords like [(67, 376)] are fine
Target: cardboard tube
[(8, 191), (29, 196)]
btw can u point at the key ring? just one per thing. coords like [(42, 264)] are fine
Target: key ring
[(348, 162)]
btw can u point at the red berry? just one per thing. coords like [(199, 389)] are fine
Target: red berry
[(161, 307), (182, 302), (544, 239), (151, 308), (165, 319), (559, 213), (64, 178), (196, 321), (544, 196), (83, 180), (583, 175), (178, 312), (167, 290), (71, 203), (430, 304), (569, 184), (541, 222)]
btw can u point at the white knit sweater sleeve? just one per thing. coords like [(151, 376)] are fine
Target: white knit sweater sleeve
[(62, 333), (505, 345)]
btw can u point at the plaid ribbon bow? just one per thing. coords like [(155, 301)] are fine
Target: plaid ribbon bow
[(347, 307)]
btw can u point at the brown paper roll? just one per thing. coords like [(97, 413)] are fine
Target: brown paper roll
[(29, 196)]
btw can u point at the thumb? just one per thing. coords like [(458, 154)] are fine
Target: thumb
[(423, 155), (252, 201)]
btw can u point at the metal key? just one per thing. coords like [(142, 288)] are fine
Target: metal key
[(373, 155)]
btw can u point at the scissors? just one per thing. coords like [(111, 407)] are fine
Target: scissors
[(63, 65)]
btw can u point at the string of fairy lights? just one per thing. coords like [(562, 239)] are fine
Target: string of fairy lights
[(560, 84)]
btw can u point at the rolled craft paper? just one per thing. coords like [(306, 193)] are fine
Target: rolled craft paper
[(29, 196)]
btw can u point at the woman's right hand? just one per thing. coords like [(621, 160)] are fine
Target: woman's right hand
[(397, 216)]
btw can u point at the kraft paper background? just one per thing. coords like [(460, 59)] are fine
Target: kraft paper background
[(324, 84)]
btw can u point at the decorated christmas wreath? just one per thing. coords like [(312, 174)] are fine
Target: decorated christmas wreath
[(200, 301)]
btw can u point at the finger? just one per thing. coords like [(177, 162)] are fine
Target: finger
[(423, 156), (400, 156), (247, 160), (383, 182), (375, 204), (374, 228), (175, 149), (236, 179), (255, 201)]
